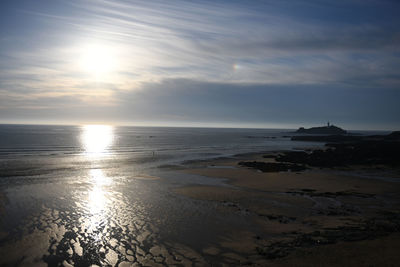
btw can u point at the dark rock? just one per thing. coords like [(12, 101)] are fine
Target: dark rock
[(269, 156), (313, 193), (387, 223), (272, 167), (335, 138), (393, 136), (362, 152), (327, 138), (329, 129)]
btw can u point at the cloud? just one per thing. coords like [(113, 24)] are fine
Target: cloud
[(196, 101), (313, 41), (156, 40), (193, 102), (201, 60)]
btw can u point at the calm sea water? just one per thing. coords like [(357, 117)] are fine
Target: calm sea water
[(73, 140), (29, 150), (85, 195)]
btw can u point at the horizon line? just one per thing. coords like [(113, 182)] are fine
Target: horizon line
[(183, 126)]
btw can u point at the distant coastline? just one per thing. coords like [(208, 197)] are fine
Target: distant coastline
[(328, 129)]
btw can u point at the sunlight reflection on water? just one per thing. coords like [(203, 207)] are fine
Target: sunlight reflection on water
[(102, 219), (98, 178), (96, 139), (97, 199), (103, 213), (98, 202)]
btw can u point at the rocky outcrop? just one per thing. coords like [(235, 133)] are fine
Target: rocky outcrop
[(272, 167), (330, 129), (361, 150)]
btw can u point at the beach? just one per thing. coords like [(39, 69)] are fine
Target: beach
[(324, 217), (129, 196), (199, 133)]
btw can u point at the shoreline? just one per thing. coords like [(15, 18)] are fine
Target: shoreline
[(297, 214), (254, 215)]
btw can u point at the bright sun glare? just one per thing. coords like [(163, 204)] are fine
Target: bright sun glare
[(96, 139), (97, 201), (97, 59)]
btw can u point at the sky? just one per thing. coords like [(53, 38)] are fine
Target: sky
[(279, 64)]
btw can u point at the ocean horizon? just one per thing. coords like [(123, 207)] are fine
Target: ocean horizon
[(99, 194)]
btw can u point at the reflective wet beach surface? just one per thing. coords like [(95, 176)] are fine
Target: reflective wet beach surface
[(100, 220), (96, 209), (88, 202)]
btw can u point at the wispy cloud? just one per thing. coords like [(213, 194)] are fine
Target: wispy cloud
[(315, 43)]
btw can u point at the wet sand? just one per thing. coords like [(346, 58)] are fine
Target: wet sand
[(202, 213), (99, 221), (318, 217)]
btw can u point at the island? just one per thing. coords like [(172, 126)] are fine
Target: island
[(328, 129)]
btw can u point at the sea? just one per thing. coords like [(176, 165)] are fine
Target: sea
[(103, 195)]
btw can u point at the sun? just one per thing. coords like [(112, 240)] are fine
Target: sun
[(97, 59)]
